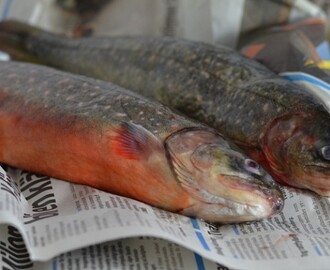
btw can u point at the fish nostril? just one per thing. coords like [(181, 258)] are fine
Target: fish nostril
[(278, 204), (267, 192)]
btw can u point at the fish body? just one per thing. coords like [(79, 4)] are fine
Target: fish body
[(92, 132), (281, 126)]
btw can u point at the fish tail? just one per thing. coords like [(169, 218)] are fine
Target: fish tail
[(14, 36)]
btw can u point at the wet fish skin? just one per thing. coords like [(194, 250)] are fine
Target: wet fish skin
[(92, 132), (244, 100)]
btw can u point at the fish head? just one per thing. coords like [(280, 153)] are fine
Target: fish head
[(298, 151), (226, 184)]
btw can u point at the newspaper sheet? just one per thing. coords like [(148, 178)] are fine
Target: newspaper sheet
[(53, 224)]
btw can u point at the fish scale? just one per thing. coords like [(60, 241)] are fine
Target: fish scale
[(77, 98), (242, 99)]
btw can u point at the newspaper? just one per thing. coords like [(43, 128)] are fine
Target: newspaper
[(47, 223), (53, 224)]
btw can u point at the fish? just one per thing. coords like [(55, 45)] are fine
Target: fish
[(95, 133), (281, 126)]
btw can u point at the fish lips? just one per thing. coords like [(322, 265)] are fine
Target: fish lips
[(250, 192), (316, 178)]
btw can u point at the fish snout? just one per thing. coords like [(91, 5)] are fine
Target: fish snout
[(274, 197)]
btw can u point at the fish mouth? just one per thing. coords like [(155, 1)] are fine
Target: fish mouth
[(319, 165), (256, 194), (247, 202), (317, 178)]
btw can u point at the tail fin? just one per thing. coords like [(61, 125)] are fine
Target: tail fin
[(13, 40)]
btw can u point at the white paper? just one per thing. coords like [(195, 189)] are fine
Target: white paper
[(62, 223)]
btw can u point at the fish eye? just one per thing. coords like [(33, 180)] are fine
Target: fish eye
[(252, 166), (325, 151)]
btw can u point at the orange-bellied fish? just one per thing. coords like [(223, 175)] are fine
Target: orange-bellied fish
[(95, 133), (283, 127)]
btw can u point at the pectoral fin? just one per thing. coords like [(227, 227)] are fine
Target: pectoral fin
[(134, 142)]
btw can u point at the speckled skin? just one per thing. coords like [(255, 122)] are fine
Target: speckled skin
[(92, 132), (212, 84)]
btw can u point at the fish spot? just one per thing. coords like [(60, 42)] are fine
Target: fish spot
[(121, 114), (12, 75), (218, 74), (205, 74), (192, 56), (93, 94), (141, 113), (190, 81), (80, 104), (170, 62), (265, 108), (108, 107), (63, 81), (152, 58), (71, 97)]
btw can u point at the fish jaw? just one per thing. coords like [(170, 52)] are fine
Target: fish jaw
[(317, 181), (236, 205), (293, 151), (217, 178)]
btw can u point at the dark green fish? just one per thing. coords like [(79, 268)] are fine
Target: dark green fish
[(92, 132), (284, 128)]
